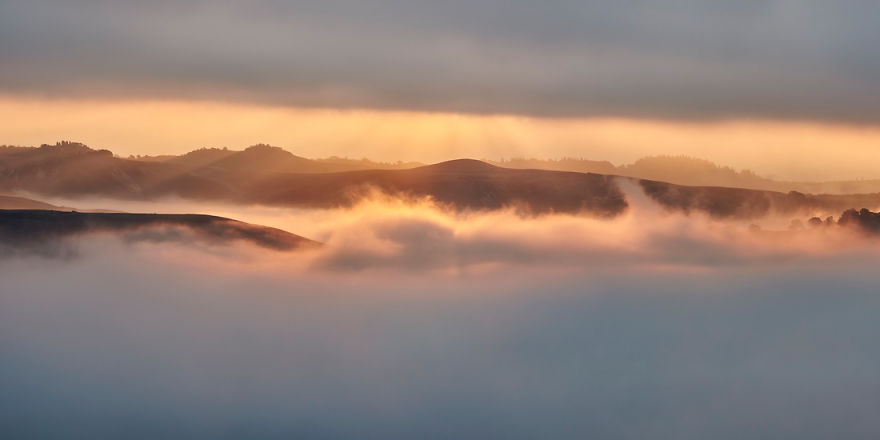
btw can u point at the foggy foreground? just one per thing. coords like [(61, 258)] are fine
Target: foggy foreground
[(415, 323)]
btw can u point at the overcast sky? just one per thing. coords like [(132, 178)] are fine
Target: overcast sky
[(680, 60)]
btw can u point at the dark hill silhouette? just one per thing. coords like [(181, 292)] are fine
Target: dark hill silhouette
[(459, 184), (31, 229), (263, 158), (684, 170), (207, 171), (564, 164), (11, 202), (201, 157), (262, 174), (15, 202), (742, 203), (73, 169), (469, 184), (461, 166), (680, 170)]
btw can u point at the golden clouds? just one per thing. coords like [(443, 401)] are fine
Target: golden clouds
[(785, 150)]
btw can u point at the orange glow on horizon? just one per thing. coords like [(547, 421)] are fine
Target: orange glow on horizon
[(783, 150)]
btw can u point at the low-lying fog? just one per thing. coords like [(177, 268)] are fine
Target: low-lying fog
[(412, 322)]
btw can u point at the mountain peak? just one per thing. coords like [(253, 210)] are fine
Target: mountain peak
[(266, 148), (462, 165)]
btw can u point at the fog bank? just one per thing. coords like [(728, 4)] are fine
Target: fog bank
[(413, 322)]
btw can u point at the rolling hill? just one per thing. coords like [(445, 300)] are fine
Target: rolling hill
[(690, 171), (31, 229), (11, 202), (268, 175)]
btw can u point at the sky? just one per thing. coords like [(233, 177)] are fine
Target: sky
[(412, 321), (787, 88)]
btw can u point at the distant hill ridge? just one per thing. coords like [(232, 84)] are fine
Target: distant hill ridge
[(29, 230), (269, 175), (264, 158), (686, 170), (275, 158)]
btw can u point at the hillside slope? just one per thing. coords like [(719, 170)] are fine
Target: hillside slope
[(29, 229), (261, 174)]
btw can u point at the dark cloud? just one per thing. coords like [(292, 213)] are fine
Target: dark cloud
[(685, 59)]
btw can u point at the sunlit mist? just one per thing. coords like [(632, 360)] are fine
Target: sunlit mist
[(784, 150)]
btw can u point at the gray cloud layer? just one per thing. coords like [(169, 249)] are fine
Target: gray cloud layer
[(684, 59), (415, 323), (132, 344)]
